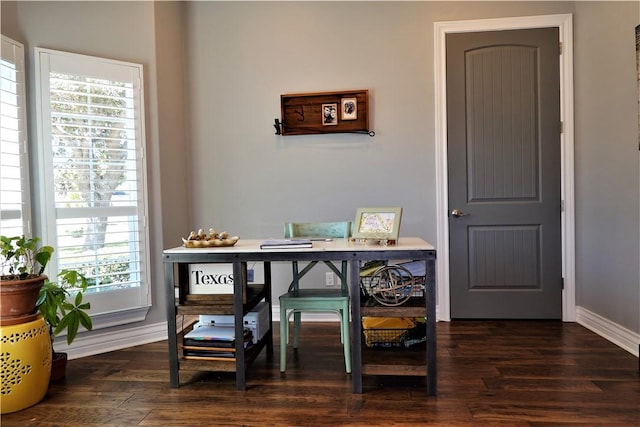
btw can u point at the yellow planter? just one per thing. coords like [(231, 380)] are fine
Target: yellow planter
[(25, 360)]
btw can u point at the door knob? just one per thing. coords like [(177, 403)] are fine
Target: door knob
[(457, 213)]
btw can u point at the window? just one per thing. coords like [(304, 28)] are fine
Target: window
[(14, 171), (93, 188)]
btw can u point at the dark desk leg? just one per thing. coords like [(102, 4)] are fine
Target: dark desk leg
[(268, 298), (432, 379), (356, 326), (169, 283), (238, 313)]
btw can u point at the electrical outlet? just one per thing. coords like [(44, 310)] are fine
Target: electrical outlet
[(329, 279)]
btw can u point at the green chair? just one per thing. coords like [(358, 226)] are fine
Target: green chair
[(298, 300)]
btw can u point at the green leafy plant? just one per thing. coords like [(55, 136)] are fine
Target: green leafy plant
[(59, 310), (22, 258), (60, 302)]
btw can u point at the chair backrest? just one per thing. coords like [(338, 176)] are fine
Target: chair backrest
[(324, 230), (318, 230)]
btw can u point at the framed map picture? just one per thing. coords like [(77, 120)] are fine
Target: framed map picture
[(377, 223)]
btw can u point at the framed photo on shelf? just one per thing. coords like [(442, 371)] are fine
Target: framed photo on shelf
[(377, 223), (349, 108), (329, 114)]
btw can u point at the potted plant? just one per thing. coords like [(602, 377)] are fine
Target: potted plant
[(22, 264), (27, 292), (63, 313), (26, 341)]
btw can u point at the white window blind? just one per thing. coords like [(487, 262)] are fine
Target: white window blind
[(14, 168), (91, 118)]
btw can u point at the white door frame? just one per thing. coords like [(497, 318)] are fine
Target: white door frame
[(565, 24)]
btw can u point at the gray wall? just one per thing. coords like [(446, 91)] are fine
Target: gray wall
[(607, 174), (215, 72), (242, 57)]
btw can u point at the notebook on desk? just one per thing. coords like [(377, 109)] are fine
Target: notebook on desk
[(286, 244)]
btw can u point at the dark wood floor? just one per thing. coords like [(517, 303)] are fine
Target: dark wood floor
[(491, 373)]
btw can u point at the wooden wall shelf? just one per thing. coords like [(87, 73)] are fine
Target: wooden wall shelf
[(324, 112)]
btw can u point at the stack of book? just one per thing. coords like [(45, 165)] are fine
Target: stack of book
[(210, 342)]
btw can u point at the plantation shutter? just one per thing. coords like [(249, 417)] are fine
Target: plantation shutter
[(93, 157), (14, 169)]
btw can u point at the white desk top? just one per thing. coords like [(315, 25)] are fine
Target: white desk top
[(336, 245)]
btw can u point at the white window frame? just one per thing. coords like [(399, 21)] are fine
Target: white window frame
[(12, 52), (120, 306)]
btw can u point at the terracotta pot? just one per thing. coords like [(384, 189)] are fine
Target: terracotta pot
[(58, 366), (18, 300)]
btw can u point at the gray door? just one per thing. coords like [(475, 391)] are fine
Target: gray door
[(504, 171)]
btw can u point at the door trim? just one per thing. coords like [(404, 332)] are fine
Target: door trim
[(564, 23)]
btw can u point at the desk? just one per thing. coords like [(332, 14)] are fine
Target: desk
[(176, 261)]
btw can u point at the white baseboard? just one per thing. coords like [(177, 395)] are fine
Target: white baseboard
[(619, 335), (98, 343), (93, 344)]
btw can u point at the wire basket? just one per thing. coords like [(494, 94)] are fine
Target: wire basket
[(383, 338), (393, 332)]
